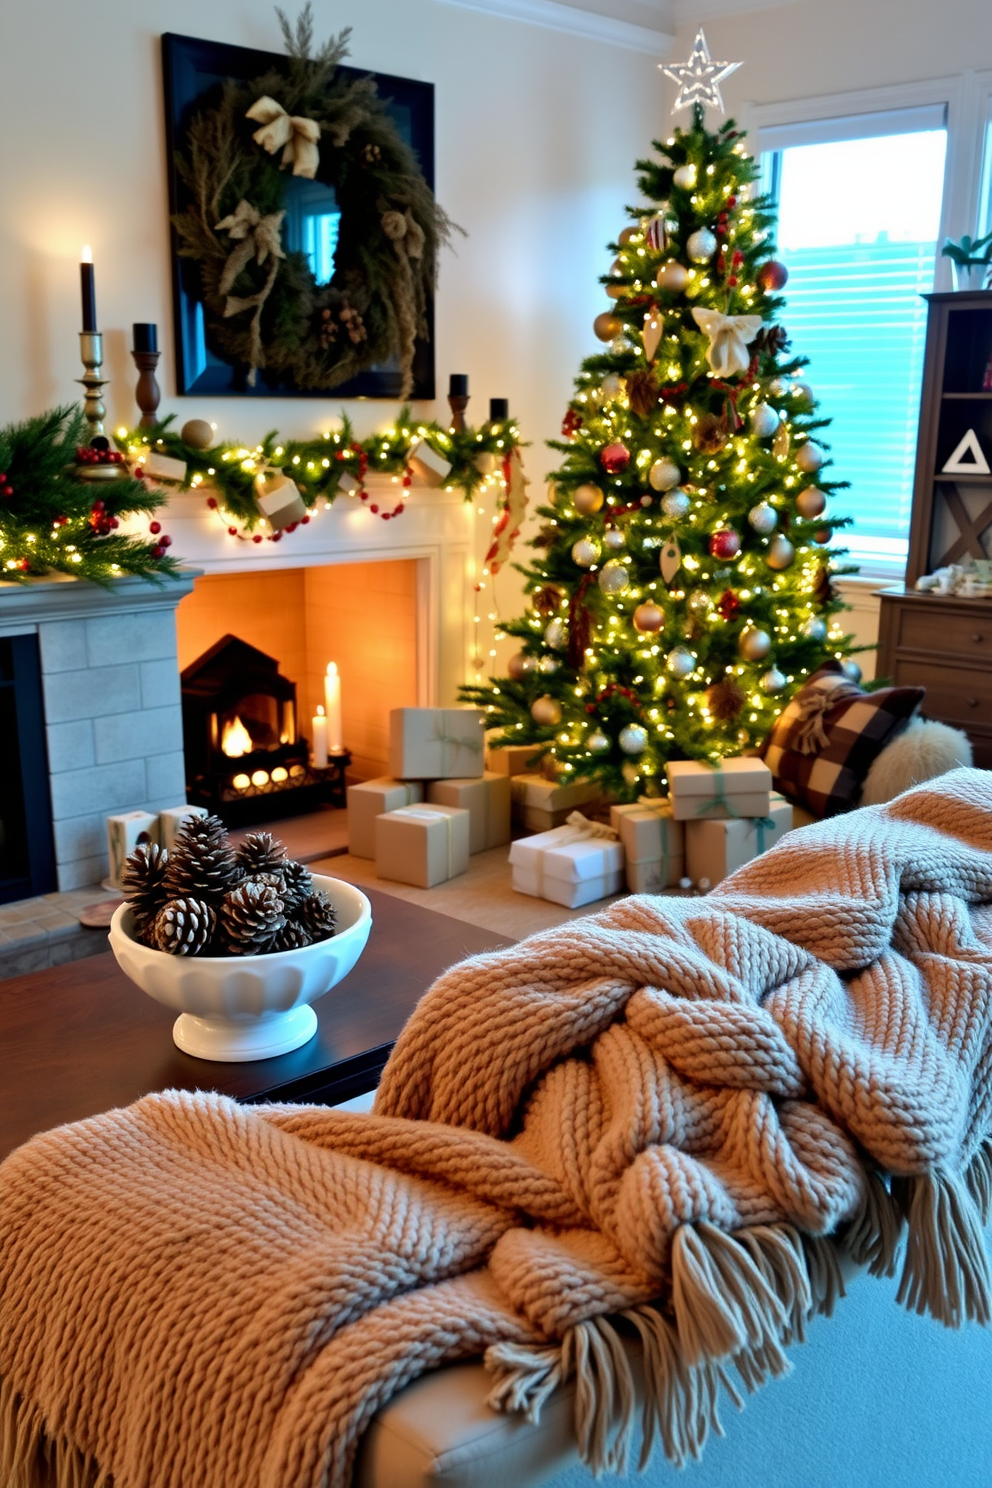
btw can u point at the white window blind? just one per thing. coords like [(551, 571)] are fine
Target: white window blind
[(859, 203)]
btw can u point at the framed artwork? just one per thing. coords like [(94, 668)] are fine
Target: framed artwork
[(306, 274)]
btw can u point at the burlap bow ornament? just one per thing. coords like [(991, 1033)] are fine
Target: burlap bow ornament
[(408, 240), (295, 136), (259, 238), (729, 337)]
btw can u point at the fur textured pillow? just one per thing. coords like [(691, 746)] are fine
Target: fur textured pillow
[(924, 749), (825, 741)]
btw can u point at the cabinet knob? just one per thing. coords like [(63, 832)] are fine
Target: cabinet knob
[(972, 702), (976, 636)]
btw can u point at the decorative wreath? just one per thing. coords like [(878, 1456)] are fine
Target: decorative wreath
[(262, 304)]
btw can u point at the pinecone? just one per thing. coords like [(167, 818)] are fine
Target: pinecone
[(297, 885), (202, 863), (291, 937), (251, 916), (184, 926), (725, 699), (318, 917), (142, 883), (259, 853), (643, 392)]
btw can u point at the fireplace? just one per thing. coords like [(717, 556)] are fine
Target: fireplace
[(246, 759), (27, 857)]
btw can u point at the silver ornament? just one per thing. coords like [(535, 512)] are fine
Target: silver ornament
[(633, 739), (680, 663), (597, 742), (754, 644), (619, 346), (698, 601), (809, 457), (764, 420), (611, 386), (802, 392), (763, 518), (815, 629), (778, 387), (676, 503), (585, 552), (556, 635), (647, 500), (701, 246), (780, 552), (663, 475), (685, 176), (546, 711), (614, 578), (519, 665), (772, 681), (851, 670), (548, 665), (614, 540)]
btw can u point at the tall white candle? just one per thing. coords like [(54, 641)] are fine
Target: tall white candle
[(332, 703), (320, 740)]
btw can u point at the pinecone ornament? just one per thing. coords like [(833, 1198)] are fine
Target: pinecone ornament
[(259, 853), (202, 863), (292, 937), (251, 916), (297, 885), (184, 926), (318, 917), (142, 881)]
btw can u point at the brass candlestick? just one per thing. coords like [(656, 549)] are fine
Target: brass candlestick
[(91, 354), (147, 394)]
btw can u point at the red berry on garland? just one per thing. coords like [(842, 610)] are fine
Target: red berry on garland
[(373, 509), (728, 604), (275, 536), (3, 475), (773, 275), (731, 201), (738, 258), (292, 527), (614, 458), (113, 523), (154, 526), (732, 281), (398, 510), (212, 502), (158, 552), (165, 541), (304, 521), (257, 537), (232, 531), (725, 543), (97, 506)]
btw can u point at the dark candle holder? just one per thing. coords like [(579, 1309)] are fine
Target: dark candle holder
[(147, 394), (457, 402)]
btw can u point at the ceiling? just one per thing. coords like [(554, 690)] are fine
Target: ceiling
[(642, 25)]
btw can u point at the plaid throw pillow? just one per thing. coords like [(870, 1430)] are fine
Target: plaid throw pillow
[(824, 742)]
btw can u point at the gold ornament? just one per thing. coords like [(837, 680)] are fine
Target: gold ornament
[(780, 552), (754, 644), (546, 711), (809, 457), (673, 276), (587, 500), (198, 434), (616, 291), (519, 665), (810, 503), (649, 618), (627, 235), (607, 326)]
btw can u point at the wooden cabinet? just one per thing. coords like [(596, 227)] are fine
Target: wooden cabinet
[(944, 642)]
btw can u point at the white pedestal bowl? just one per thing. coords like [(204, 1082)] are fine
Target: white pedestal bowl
[(236, 1008)]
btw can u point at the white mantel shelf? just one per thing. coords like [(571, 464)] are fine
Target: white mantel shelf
[(24, 606)]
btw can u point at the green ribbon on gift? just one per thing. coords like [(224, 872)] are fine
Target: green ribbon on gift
[(761, 825), (459, 741), (719, 801)]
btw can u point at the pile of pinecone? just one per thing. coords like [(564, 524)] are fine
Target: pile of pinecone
[(207, 898)]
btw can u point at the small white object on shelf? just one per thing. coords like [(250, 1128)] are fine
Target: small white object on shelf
[(124, 832), (374, 798), (163, 467)]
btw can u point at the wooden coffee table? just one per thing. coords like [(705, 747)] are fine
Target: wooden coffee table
[(81, 1038)]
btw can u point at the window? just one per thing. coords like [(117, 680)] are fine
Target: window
[(859, 202)]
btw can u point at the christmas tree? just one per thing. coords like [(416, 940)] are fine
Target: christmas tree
[(680, 591)]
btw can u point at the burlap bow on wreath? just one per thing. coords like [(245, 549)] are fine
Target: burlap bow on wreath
[(259, 238), (295, 136)]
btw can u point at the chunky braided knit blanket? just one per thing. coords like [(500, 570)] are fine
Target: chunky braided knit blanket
[(649, 1132)]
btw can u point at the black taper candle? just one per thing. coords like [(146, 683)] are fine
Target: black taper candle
[(145, 336), (458, 385), (499, 409), (88, 287)]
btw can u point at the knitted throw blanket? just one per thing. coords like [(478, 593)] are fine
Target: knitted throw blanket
[(661, 1123)]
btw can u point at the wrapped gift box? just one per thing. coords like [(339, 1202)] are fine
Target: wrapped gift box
[(735, 787), (516, 759), (371, 799), (124, 832), (540, 805), (436, 743), (170, 822), (653, 848), (422, 845), (487, 802), (567, 867), (715, 848)]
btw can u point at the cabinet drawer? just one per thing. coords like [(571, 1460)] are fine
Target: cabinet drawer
[(959, 695), (959, 635)]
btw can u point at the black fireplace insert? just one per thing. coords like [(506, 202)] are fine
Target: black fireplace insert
[(27, 851), (246, 759)]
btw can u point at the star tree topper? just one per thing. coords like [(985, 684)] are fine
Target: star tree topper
[(699, 78)]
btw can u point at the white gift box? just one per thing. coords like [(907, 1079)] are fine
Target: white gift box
[(349, 484), (163, 467), (279, 498), (653, 847), (171, 820), (436, 743), (487, 802), (422, 845), (431, 467), (734, 787), (540, 805), (374, 798), (515, 759), (124, 833), (567, 867), (713, 849)]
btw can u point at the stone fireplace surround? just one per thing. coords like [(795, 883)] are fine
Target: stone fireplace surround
[(110, 675)]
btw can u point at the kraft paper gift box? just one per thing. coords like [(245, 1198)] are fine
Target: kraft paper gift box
[(487, 802), (540, 805), (124, 832), (567, 867), (516, 759), (653, 848), (735, 787), (371, 799), (436, 743), (422, 845), (713, 849), (170, 822)]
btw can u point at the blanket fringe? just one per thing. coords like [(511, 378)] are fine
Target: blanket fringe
[(979, 1180), (30, 1458), (723, 1304), (946, 1270), (873, 1236)]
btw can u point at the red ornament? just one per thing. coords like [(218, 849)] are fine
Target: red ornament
[(614, 458), (728, 604), (571, 423), (724, 543), (3, 476), (773, 275), (6, 490)]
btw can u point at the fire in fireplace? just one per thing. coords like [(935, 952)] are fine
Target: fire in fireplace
[(242, 741)]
